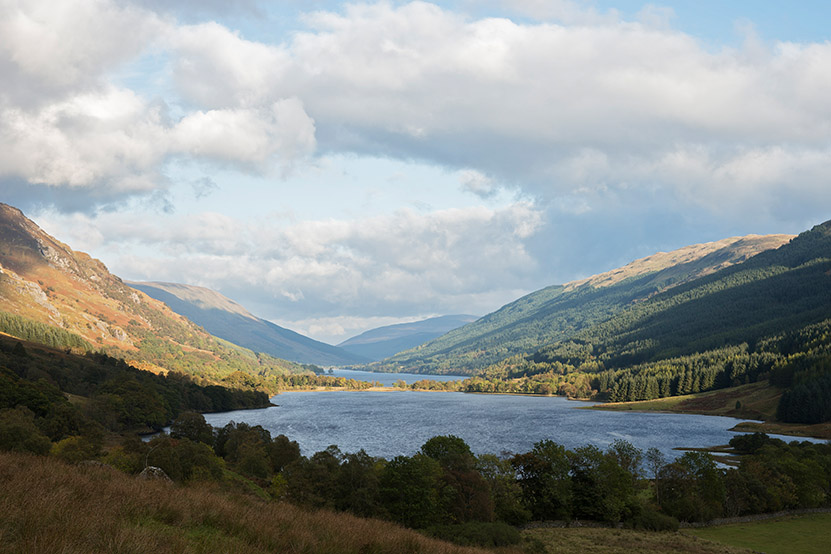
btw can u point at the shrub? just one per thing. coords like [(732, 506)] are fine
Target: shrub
[(652, 520), (477, 533)]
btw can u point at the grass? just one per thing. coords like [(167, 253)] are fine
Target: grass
[(806, 534), (48, 506), (618, 541), (756, 401)]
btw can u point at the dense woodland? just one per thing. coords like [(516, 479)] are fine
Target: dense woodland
[(73, 407), (559, 312), (48, 396)]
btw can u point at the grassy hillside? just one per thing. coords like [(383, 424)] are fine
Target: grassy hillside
[(224, 318), (49, 506), (560, 312), (806, 534), (44, 283)]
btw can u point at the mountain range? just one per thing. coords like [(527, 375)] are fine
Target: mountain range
[(382, 342), (224, 318)]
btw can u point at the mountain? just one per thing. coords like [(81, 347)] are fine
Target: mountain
[(767, 319), (224, 318), (383, 342), (53, 295), (561, 311)]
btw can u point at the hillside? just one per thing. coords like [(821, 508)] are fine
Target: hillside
[(224, 318), (765, 320), (561, 311), (778, 291), (50, 506), (69, 299), (383, 342)]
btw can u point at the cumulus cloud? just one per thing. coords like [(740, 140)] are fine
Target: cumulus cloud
[(613, 127), (64, 122), (552, 107), (580, 99), (478, 183), (51, 48)]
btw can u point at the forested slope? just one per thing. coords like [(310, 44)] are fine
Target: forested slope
[(559, 312), (766, 318)]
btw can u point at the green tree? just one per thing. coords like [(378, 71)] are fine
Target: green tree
[(192, 426), (410, 491), (18, 432), (543, 474)]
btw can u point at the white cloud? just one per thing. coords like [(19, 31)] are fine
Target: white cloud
[(253, 136), (609, 125), (478, 183), (216, 68), (50, 47), (408, 263), (553, 108)]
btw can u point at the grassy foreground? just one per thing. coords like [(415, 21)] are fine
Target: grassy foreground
[(48, 506), (618, 541), (806, 534)]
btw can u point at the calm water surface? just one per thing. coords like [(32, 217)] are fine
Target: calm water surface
[(392, 423), (389, 379)]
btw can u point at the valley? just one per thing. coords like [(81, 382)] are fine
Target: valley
[(672, 351)]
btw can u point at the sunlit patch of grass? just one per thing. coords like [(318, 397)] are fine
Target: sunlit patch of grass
[(576, 540), (806, 534)]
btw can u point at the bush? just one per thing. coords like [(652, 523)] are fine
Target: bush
[(75, 449), (18, 432), (651, 520), (477, 533)]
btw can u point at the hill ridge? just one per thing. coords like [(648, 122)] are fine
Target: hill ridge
[(225, 318), (559, 311), (44, 282)]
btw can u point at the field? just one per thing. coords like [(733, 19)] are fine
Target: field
[(755, 401), (806, 534), (618, 541)]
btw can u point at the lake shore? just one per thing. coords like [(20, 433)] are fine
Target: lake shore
[(755, 401)]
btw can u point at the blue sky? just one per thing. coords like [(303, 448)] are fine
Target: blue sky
[(335, 167)]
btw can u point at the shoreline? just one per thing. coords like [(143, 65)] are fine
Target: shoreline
[(745, 423)]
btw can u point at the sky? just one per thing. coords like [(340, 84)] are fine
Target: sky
[(335, 167)]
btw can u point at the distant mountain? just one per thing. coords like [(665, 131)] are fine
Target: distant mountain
[(383, 342), (561, 311), (226, 319), (52, 295)]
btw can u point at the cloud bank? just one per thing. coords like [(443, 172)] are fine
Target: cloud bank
[(604, 128)]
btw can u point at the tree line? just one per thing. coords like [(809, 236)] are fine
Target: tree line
[(445, 484)]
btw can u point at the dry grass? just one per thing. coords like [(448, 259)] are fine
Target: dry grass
[(619, 541), (47, 506)]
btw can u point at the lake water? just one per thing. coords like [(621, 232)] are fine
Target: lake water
[(388, 379), (392, 423)]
